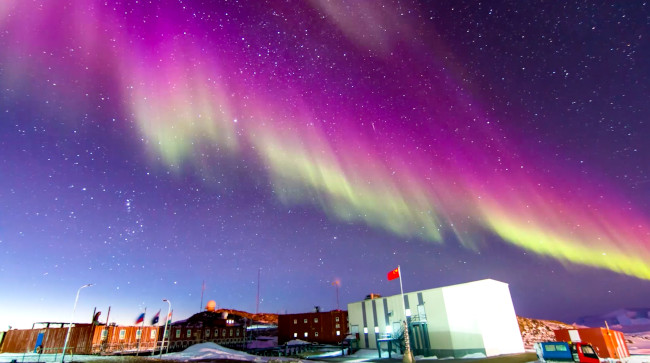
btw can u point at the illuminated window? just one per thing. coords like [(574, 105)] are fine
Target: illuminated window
[(207, 333), (316, 334), (365, 330), (376, 329), (237, 333), (306, 334), (315, 320), (178, 333), (338, 326), (338, 332), (223, 333), (337, 318), (305, 321), (153, 334), (295, 321), (122, 334), (216, 332), (189, 333), (295, 335), (230, 332)]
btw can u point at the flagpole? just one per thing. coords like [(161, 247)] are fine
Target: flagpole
[(408, 355), (155, 342), (141, 331), (169, 309), (169, 339)]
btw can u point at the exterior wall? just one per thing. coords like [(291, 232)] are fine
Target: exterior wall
[(182, 336), (329, 327), (125, 338), (24, 340), (607, 343), (476, 317)]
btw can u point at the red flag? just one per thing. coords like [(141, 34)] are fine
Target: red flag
[(393, 274)]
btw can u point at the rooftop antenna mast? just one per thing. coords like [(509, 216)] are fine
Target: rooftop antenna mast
[(202, 290), (337, 283), (257, 307)]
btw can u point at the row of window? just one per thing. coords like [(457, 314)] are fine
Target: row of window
[(153, 334), (207, 332), (295, 335), (295, 321), (138, 334)]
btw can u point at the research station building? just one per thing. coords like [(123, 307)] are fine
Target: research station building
[(451, 321)]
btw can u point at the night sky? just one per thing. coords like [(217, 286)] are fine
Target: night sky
[(148, 146)]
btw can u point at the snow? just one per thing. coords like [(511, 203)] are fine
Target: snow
[(638, 344), (206, 351)]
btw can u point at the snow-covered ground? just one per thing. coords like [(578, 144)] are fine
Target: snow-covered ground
[(638, 344), (206, 351)]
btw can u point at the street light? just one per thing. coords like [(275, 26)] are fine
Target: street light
[(169, 309), (67, 336)]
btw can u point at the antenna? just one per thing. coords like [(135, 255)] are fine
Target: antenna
[(202, 289), (257, 307), (337, 283)]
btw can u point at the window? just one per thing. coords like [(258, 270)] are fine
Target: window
[(338, 332), (305, 321), (178, 333), (207, 333), (365, 330), (295, 335), (122, 334), (338, 326), (306, 334), (316, 334), (376, 329), (216, 332), (104, 334), (230, 332), (337, 318), (295, 321), (138, 333), (189, 333), (153, 334), (237, 332), (223, 333), (315, 320)]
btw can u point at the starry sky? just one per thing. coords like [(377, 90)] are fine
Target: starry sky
[(148, 146)]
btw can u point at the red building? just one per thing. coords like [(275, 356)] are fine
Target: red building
[(607, 343), (126, 339), (49, 339), (329, 327)]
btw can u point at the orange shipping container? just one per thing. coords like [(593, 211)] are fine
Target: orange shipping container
[(607, 343)]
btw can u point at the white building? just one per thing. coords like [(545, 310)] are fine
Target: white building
[(475, 317)]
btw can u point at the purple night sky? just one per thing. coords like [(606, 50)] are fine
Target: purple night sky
[(147, 146)]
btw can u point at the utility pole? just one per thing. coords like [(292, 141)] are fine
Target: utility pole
[(257, 306), (202, 290)]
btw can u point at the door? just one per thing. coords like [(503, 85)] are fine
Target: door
[(38, 347)]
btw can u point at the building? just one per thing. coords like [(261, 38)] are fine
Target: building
[(451, 321), (126, 339), (329, 327), (49, 338), (208, 326), (607, 343)]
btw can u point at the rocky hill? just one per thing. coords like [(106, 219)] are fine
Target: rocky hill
[(266, 318), (535, 330)]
